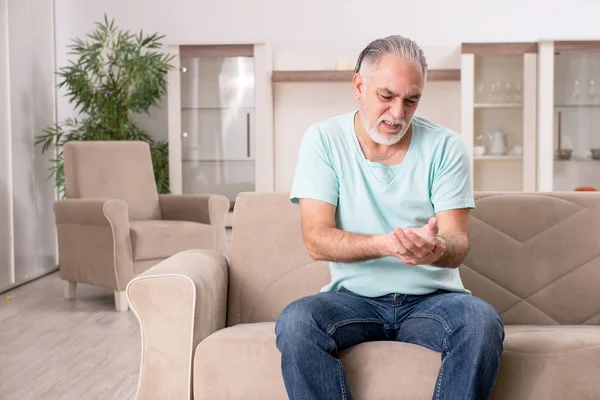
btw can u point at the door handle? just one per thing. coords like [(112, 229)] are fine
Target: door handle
[(248, 135)]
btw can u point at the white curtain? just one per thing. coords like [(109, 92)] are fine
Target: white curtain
[(27, 106)]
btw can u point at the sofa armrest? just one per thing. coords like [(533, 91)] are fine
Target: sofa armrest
[(94, 244), (210, 209), (178, 302)]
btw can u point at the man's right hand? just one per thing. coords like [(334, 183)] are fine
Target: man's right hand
[(416, 246)]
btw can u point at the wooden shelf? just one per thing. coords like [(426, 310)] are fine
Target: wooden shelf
[(346, 76), (591, 46), (499, 48), (312, 76)]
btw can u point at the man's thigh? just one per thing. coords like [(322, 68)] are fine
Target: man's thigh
[(432, 320), (347, 318)]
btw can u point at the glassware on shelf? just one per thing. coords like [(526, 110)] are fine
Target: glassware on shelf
[(507, 92), (518, 95), (576, 90), (494, 92), (480, 92)]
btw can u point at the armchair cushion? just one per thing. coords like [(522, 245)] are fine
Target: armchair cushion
[(203, 208), (113, 169), (161, 239)]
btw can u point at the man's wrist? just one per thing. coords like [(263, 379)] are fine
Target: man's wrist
[(456, 248), (383, 245)]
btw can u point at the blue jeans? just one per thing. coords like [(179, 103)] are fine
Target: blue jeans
[(467, 331)]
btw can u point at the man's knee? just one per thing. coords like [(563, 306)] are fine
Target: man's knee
[(480, 320), (295, 320)]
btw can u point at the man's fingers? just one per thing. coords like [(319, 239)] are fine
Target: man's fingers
[(439, 250), (400, 247), (407, 242), (422, 246), (432, 226)]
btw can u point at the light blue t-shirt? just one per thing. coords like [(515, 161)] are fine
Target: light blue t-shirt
[(374, 198)]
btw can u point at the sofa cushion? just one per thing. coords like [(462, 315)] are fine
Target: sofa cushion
[(162, 239), (550, 362), (242, 362)]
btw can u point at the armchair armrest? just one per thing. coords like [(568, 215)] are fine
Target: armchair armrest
[(178, 302), (209, 209), (94, 243)]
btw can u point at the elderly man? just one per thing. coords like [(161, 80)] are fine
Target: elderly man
[(384, 197)]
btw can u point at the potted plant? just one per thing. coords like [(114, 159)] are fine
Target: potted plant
[(114, 76)]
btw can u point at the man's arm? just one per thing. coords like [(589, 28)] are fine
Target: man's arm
[(453, 232), (325, 242)]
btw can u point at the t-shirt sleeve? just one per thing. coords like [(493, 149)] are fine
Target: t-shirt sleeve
[(452, 181), (315, 176)]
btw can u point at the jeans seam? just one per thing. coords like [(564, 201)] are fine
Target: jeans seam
[(342, 386), (437, 318), (352, 321), (439, 382)]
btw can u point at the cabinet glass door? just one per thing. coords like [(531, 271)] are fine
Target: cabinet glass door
[(576, 133), (498, 86), (498, 123), (217, 124)]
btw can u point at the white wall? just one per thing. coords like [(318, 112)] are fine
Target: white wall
[(315, 34), (27, 106)]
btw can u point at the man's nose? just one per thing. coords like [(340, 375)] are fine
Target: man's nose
[(397, 110)]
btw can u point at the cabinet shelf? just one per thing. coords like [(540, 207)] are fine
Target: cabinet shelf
[(498, 105), (215, 108), (346, 76), (497, 158), (577, 160), (200, 160), (577, 105)]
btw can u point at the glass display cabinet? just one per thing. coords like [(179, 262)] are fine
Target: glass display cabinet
[(498, 114), (569, 116)]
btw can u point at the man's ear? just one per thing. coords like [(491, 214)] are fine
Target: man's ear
[(359, 85)]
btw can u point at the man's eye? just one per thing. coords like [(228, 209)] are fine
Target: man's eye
[(411, 102), (386, 98)]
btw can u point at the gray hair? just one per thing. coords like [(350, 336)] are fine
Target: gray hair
[(401, 47)]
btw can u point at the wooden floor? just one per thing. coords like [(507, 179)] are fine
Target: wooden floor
[(57, 349)]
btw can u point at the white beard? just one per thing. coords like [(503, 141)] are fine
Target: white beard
[(386, 139)]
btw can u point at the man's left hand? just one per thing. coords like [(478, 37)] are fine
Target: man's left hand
[(422, 245)]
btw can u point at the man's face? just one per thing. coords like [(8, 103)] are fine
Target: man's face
[(389, 98)]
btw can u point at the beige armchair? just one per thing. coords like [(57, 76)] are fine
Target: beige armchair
[(114, 225)]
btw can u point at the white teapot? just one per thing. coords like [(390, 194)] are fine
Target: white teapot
[(498, 145)]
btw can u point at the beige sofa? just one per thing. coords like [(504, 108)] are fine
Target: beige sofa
[(207, 324), (114, 225)]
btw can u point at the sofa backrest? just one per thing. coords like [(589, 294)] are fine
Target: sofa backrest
[(533, 256), (112, 169)]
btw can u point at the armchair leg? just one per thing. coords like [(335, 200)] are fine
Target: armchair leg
[(70, 288), (121, 301)]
